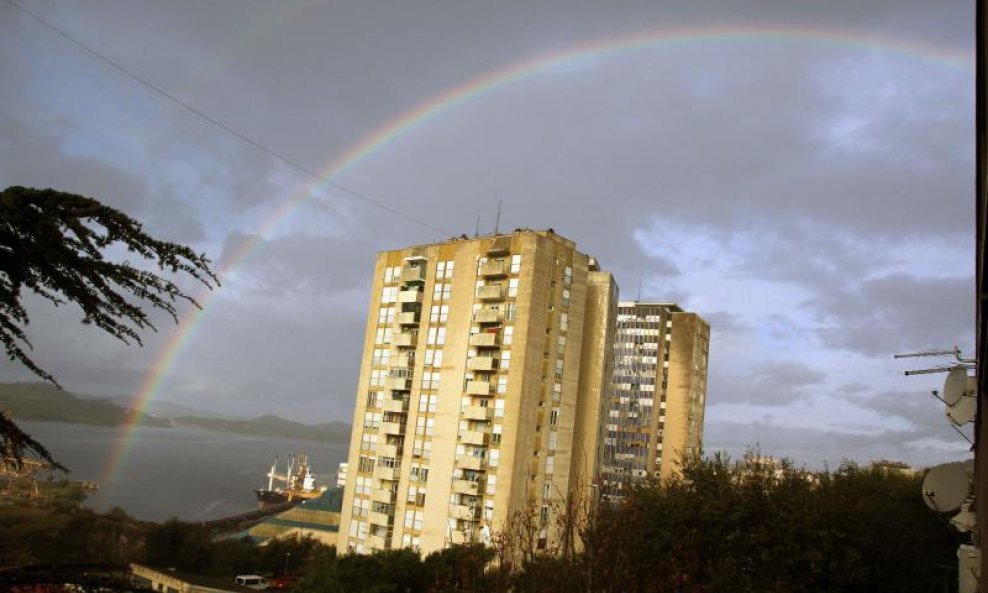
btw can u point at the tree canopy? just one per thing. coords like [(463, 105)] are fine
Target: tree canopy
[(56, 244)]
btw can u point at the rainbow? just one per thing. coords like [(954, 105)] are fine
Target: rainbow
[(444, 102)]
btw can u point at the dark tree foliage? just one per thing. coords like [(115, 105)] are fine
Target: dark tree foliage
[(54, 244)]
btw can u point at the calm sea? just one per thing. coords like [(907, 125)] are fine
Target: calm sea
[(178, 472)]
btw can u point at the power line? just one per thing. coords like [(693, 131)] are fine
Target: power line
[(229, 130)]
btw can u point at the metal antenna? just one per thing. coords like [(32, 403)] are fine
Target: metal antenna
[(476, 230), (497, 224), (639, 290)]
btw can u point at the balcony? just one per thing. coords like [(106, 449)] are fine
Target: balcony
[(379, 519), (410, 296), (476, 413), (383, 495), (484, 340), (468, 487), (408, 318), (488, 316), (392, 428), (470, 462), (493, 268), (388, 451), (493, 292), (479, 387), (404, 361), (399, 384), (472, 437), (499, 246), (413, 274), (397, 406), (464, 513), (386, 473), (405, 339), (482, 363), (377, 542), (460, 537)]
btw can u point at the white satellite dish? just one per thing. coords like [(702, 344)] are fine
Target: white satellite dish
[(963, 411), (966, 520), (955, 385), (946, 487)]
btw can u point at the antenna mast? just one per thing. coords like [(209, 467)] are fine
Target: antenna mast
[(497, 223), (476, 229)]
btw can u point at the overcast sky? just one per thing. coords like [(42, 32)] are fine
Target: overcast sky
[(812, 198)]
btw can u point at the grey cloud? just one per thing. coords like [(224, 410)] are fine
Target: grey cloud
[(897, 313), (775, 383), (818, 448)]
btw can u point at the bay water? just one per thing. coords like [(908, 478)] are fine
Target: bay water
[(189, 474)]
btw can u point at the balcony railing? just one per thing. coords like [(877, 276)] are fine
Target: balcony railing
[(408, 318), (468, 487), (398, 406), (476, 413), (413, 274), (386, 473), (379, 519), (388, 451), (392, 428), (377, 542), (492, 292), (405, 339), (399, 383), (482, 363), (479, 387), (470, 462), (493, 268), (488, 316), (383, 495), (484, 340), (409, 296), (464, 513), (472, 437)]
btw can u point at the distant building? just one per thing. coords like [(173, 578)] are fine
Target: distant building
[(485, 363), (656, 407), (341, 475)]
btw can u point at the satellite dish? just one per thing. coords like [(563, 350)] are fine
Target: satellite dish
[(946, 487), (963, 411), (955, 385)]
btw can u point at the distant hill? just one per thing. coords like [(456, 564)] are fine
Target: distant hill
[(167, 409), (46, 403), (273, 426)]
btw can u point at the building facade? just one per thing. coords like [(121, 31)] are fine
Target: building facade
[(485, 366), (655, 413)]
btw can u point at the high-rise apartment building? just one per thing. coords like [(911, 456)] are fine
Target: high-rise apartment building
[(486, 362), (655, 413)]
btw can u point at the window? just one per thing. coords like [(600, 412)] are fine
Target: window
[(389, 294), (499, 408), (547, 491), (391, 274), (436, 336), (567, 275), (491, 484), (515, 264), (505, 360), (433, 357), (380, 356), (554, 417), (429, 403), (552, 441), (502, 384), (565, 297), (550, 464), (441, 292), (508, 333), (513, 287), (386, 316), (563, 322), (430, 380), (444, 269), (439, 314), (496, 435), (425, 426), (494, 457)]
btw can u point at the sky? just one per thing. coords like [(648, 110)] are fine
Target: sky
[(808, 187)]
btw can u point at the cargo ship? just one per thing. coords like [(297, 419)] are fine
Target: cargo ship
[(297, 483)]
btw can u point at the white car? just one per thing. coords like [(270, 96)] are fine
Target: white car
[(252, 581)]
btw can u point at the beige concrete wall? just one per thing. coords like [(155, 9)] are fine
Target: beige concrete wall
[(683, 429)]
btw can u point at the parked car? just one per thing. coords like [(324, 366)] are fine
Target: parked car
[(284, 583), (252, 581)]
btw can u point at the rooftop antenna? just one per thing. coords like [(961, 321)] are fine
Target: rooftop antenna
[(497, 223), (639, 290), (476, 230)]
